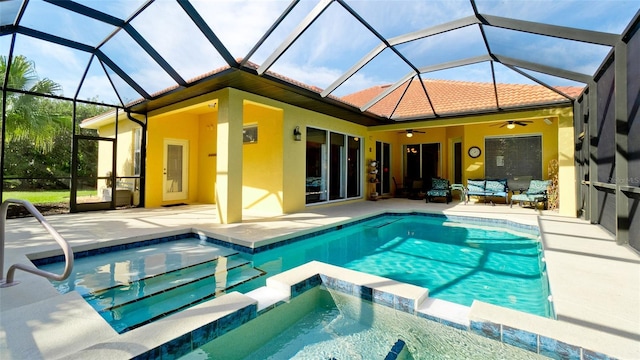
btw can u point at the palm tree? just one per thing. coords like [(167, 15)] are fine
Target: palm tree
[(31, 117)]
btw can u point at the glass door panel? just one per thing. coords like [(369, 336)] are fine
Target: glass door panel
[(175, 172), (92, 185), (354, 173), (316, 177), (336, 167)]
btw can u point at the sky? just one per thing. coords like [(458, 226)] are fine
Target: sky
[(330, 46)]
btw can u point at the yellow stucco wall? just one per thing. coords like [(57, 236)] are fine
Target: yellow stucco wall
[(557, 140), (272, 171), (475, 135), (178, 126), (125, 151), (263, 161), (207, 157)]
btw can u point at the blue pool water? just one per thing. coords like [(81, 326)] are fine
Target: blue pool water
[(456, 261), (321, 324)]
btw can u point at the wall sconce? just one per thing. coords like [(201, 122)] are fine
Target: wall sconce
[(548, 121), (297, 135)]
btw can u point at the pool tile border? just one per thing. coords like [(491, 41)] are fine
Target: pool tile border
[(502, 223), (536, 343), (508, 335), (523, 339), (112, 248), (186, 343)]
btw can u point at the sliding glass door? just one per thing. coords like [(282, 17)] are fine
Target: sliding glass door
[(334, 166), (383, 157), (421, 163)]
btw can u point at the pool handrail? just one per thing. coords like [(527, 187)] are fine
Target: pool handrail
[(66, 248)]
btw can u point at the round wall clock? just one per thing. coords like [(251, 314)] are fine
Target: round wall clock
[(474, 151)]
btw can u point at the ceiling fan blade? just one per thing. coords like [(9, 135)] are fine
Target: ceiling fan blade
[(505, 124), (522, 123)]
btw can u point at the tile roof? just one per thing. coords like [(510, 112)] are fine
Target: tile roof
[(446, 97), (454, 97)]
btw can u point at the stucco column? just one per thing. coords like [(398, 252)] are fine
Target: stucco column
[(566, 165), (229, 158)]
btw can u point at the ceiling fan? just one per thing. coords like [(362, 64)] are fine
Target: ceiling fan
[(511, 124), (410, 132)]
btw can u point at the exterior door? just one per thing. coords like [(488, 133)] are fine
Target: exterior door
[(93, 174), (175, 177)]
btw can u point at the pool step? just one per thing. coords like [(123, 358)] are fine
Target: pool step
[(381, 223), (136, 305), (150, 285)]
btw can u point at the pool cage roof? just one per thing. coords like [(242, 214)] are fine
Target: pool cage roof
[(141, 55)]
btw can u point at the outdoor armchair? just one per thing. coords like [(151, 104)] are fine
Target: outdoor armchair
[(536, 193), (439, 188)]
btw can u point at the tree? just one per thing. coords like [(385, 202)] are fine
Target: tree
[(39, 132), (30, 117)]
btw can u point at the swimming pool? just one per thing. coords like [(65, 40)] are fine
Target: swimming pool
[(456, 260), (326, 324)]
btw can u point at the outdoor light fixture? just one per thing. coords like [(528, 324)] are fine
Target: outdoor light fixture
[(409, 133), (511, 125), (548, 121), (297, 135)]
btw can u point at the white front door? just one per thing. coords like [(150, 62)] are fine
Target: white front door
[(176, 170)]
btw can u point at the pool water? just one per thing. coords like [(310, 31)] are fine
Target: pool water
[(321, 324), (456, 261), (133, 287)]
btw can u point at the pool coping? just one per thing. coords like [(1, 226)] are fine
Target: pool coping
[(444, 312), (185, 331), (254, 247), (577, 248)]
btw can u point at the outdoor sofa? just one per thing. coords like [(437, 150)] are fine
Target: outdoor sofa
[(488, 188)]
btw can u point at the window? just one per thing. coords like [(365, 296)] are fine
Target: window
[(250, 134), (137, 155), (334, 166), (509, 157)]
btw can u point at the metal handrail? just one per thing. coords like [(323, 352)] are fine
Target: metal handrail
[(66, 248)]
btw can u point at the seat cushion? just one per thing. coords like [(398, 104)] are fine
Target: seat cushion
[(475, 186), (519, 197), (538, 187), (496, 186), (527, 197), (438, 192), (439, 184)]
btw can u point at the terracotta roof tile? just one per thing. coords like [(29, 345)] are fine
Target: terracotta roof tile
[(449, 97), (445, 96)]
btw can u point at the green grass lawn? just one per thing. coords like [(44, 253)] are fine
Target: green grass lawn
[(44, 197)]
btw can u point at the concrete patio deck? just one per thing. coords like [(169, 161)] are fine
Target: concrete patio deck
[(595, 283)]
